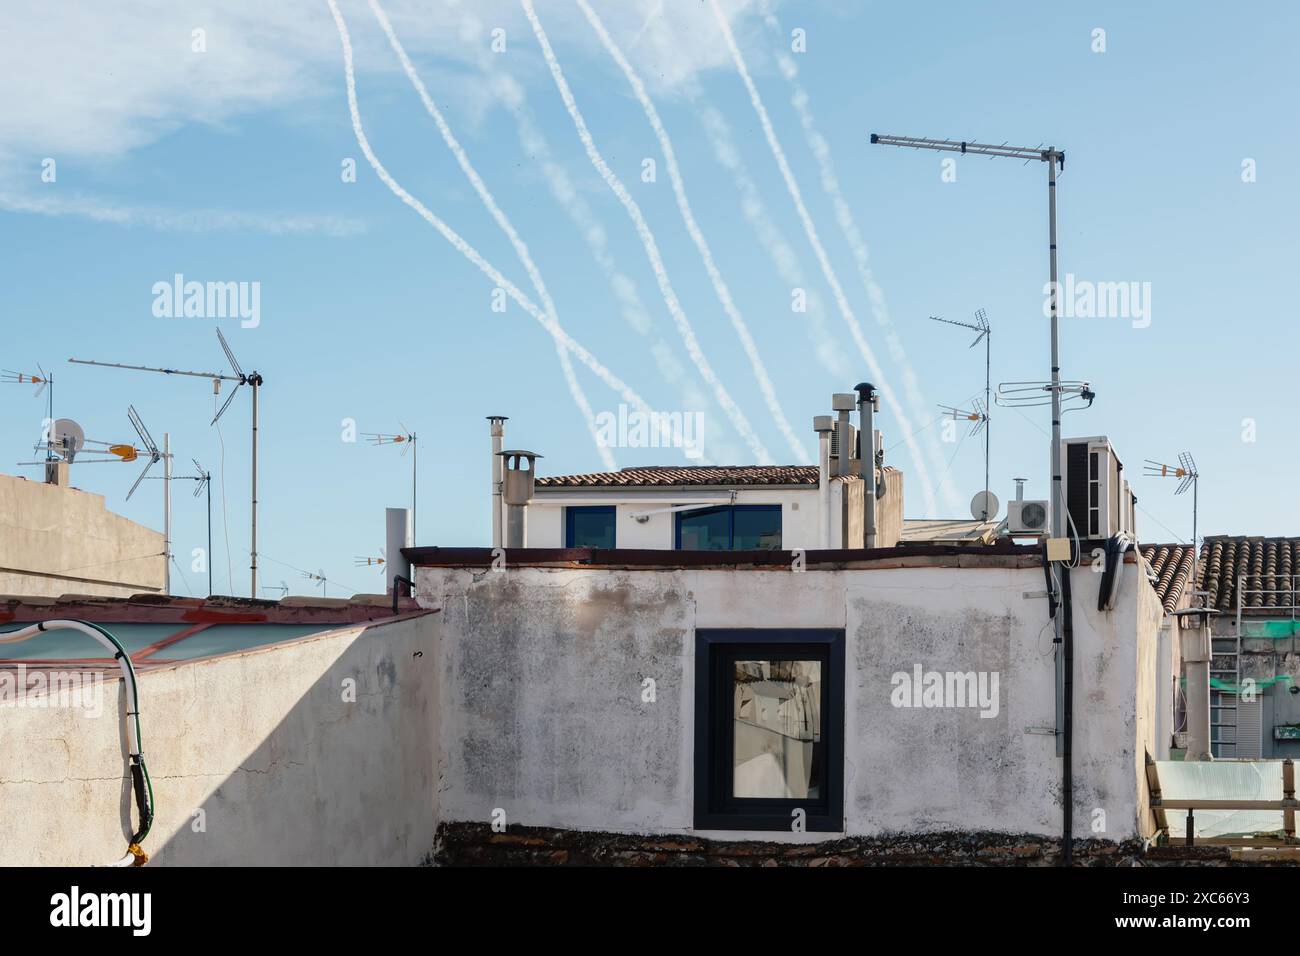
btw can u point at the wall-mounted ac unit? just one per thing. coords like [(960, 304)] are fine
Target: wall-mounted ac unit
[(1098, 500), (1025, 517)]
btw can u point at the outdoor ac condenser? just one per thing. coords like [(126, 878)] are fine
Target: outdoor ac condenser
[(1025, 517), (1098, 500)]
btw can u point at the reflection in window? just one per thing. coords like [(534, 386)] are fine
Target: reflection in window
[(777, 747), (589, 527), (730, 528)]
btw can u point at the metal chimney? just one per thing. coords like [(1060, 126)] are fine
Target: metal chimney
[(843, 403), (399, 533), (868, 405), (498, 425), (517, 490), (823, 425)]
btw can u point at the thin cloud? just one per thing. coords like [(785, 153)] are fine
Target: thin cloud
[(183, 220)]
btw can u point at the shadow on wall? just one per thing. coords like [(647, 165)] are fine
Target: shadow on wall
[(346, 771)]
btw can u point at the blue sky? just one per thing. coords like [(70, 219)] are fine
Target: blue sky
[(226, 165)]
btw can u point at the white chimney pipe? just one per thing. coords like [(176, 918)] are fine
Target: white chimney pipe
[(399, 533), (843, 403), (498, 425), (867, 436), (823, 425)]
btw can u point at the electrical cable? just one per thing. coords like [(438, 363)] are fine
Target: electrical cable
[(139, 771)]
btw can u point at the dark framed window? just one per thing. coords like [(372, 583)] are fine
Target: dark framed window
[(729, 528), (769, 729), (589, 527)]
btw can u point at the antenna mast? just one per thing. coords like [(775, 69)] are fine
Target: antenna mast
[(239, 377), (1059, 569), (984, 332), (407, 439)]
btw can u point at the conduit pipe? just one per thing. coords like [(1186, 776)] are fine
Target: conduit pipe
[(823, 425), (143, 786)]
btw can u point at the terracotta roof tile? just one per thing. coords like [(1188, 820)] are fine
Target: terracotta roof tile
[(666, 475), (1268, 563), (1172, 566)]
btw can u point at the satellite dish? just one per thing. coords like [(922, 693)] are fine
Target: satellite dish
[(984, 503), (66, 439)]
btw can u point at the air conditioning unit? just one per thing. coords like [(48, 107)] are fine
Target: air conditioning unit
[(1025, 517), (1097, 496)]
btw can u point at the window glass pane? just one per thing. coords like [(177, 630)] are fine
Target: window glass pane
[(704, 530), (778, 751), (757, 528), (591, 528)]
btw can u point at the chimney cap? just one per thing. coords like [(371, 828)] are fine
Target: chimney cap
[(865, 391), (823, 423), (844, 401), (498, 418), (513, 456)]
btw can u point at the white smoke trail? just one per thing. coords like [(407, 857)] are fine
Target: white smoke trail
[(684, 328), (623, 287), (821, 150), (785, 260), (692, 227), (562, 338), (521, 250), (828, 271)]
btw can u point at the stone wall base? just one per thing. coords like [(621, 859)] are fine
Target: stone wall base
[(475, 844)]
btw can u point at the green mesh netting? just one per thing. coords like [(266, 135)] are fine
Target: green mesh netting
[(1273, 630)]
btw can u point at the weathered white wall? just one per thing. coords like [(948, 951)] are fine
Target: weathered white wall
[(543, 672), (284, 770), (56, 540), (798, 516)]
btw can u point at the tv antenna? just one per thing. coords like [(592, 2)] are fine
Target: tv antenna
[(1186, 471), (44, 383), (240, 377), (362, 561), (406, 438), (155, 456), (983, 333), (319, 577), (282, 587)]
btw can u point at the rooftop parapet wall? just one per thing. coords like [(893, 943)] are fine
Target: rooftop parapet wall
[(56, 540)]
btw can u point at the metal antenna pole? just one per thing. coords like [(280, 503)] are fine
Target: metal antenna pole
[(208, 489), (988, 407), (1196, 550), (415, 454), (1058, 501), (167, 513), (255, 380)]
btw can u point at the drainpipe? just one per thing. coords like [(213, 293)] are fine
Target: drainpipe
[(1067, 723), (868, 405), (843, 403), (823, 425), (498, 425), (1197, 652), (517, 489)]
